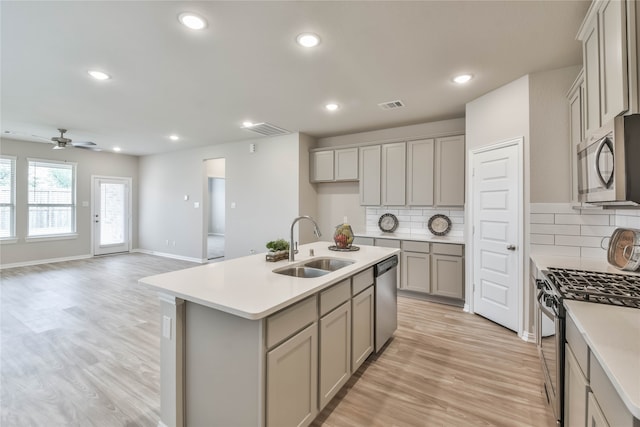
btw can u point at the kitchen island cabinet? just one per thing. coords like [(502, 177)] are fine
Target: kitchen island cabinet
[(242, 345)]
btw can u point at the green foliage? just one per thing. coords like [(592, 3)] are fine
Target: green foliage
[(278, 245)]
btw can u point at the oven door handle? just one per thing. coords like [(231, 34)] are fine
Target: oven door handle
[(543, 307)]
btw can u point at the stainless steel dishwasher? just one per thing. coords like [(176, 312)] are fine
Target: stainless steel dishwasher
[(386, 290)]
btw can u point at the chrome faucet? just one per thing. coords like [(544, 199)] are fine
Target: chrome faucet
[(316, 231)]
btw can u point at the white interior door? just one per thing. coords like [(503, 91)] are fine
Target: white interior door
[(497, 213), (111, 215)]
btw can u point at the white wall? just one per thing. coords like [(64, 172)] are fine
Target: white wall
[(263, 185), (88, 163)]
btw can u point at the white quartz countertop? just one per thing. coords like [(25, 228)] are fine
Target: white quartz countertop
[(459, 240), (543, 261), (247, 287), (613, 335)]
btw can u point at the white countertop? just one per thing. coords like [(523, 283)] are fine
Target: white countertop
[(247, 286), (613, 335), (459, 240), (591, 264)]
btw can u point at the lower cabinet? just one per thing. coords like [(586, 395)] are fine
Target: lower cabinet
[(447, 276), (335, 352), (576, 388), (595, 417), (362, 310), (291, 398), (414, 275)]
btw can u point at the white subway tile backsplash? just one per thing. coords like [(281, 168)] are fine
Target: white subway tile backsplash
[(627, 221), (414, 220), (556, 250), (583, 241), (542, 239), (540, 218), (551, 208), (593, 252), (596, 230), (555, 229), (582, 219)]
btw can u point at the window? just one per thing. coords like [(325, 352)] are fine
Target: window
[(51, 198), (7, 197)]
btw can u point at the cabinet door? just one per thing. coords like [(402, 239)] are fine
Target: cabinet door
[(322, 166), (576, 389), (449, 164), (292, 385), (361, 327), (591, 59), (335, 352), (576, 130), (346, 164), (420, 172), (370, 158), (595, 417), (447, 276), (393, 174), (613, 59), (415, 271)]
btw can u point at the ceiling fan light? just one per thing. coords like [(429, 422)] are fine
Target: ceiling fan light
[(192, 21), (331, 106), (117, 149), (308, 39), (99, 75)]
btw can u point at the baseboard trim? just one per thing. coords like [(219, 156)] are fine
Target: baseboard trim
[(528, 336), (44, 261), (174, 256)]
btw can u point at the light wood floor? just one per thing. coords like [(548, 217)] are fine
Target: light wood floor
[(80, 347)]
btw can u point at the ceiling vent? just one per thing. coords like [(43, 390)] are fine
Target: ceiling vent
[(391, 105), (266, 129)]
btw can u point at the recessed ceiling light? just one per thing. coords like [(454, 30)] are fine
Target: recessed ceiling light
[(462, 78), (332, 107), (99, 75), (174, 137), (308, 39), (191, 20), (247, 124), (117, 149)]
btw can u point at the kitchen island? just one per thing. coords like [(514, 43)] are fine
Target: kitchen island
[(242, 345)]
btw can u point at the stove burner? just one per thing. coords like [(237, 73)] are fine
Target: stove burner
[(605, 288)]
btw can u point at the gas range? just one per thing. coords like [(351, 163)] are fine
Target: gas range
[(604, 288)]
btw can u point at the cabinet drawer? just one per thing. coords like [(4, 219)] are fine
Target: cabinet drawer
[(388, 243), (368, 241), (290, 320), (447, 249), (615, 411), (578, 346), (412, 246), (361, 281), (334, 296)]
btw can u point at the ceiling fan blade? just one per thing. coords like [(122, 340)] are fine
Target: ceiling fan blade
[(87, 147), (83, 144)]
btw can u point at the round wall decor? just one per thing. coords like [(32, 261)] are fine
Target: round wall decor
[(388, 223), (439, 224)]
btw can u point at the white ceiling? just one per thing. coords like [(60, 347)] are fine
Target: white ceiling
[(246, 65)]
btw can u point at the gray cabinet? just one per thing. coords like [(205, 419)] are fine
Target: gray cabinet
[(322, 166), (335, 352), (414, 275), (449, 171), (595, 417), (370, 175), (420, 173), (334, 165), (576, 129), (591, 60), (576, 388), (393, 174), (613, 59), (447, 276), (291, 398), (362, 324)]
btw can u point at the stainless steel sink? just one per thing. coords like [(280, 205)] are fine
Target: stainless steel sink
[(330, 264), (300, 271)]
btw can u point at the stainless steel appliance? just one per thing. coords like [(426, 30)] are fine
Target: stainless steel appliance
[(386, 291), (561, 284), (608, 172)]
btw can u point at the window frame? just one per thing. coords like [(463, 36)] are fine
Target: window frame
[(12, 237), (73, 205)]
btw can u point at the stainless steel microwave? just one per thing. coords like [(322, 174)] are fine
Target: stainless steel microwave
[(609, 164)]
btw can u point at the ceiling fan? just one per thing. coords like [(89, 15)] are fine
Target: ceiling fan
[(61, 142)]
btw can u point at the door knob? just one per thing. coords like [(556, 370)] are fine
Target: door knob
[(511, 247)]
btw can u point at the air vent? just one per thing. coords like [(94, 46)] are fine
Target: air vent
[(391, 105), (266, 129)]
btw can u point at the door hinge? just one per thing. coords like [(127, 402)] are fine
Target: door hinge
[(473, 171)]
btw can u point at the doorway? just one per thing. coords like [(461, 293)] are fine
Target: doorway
[(216, 218), (111, 215), (497, 220)]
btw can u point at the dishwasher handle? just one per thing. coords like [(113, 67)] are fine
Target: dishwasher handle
[(386, 265)]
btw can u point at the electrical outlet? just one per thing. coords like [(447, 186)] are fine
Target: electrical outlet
[(166, 242), (173, 243)]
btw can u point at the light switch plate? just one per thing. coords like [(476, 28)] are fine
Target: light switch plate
[(196, 205), (166, 327)]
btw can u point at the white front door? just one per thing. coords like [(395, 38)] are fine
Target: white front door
[(110, 215), (497, 213)]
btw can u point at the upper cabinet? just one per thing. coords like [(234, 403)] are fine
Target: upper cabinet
[(576, 128), (420, 161), (449, 171), (334, 165), (610, 56), (393, 174), (370, 171)]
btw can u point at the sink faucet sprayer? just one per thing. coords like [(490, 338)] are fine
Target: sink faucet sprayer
[(316, 231)]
